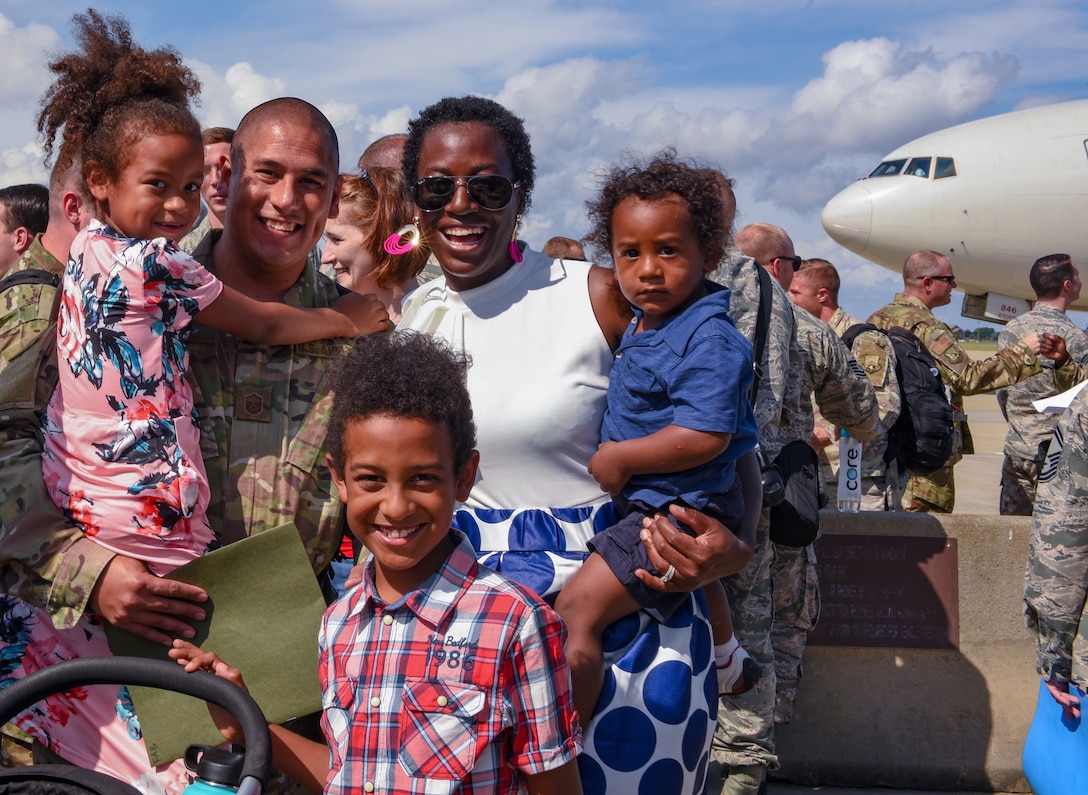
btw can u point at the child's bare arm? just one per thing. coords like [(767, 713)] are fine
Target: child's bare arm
[(672, 449), (300, 759), (196, 659), (303, 760), (751, 487), (561, 781), (276, 323)]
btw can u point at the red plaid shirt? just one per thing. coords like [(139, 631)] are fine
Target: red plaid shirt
[(460, 686)]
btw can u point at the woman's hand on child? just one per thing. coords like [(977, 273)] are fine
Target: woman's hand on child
[(713, 553), (367, 313), (131, 597), (196, 659), (607, 468)]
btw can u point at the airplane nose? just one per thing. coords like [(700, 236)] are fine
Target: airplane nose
[(848, 218)]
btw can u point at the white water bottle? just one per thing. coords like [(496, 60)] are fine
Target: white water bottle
[(849, 473)]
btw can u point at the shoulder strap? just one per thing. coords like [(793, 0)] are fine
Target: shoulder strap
[(912, 339), (29, 276), (763, 325), (851, 333)]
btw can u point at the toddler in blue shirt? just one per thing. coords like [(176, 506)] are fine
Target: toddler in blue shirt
[(678, 418)]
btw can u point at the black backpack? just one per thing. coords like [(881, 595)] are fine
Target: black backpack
[(922, 438)]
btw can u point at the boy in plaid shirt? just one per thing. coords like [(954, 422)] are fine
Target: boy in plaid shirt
[(438, 674)]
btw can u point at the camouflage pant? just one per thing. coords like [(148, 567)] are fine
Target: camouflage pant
[(796, 610), (15, 747), (1018, 478), (933, 493), (745, 733)]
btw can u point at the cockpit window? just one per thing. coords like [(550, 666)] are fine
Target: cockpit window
[(946, 167), (889, 168), (919, 167)]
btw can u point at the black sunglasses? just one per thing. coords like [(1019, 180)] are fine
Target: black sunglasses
[(794, 261), (489, 191), (365, 177), (945, 279)]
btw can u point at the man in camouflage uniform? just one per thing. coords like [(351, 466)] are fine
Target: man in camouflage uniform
[(744, 741), (927, 283), (24, 214), (263, 410), (1057, 573), (26, 315), (25, 306), (827, 372), (1056, 283), (815, 288)]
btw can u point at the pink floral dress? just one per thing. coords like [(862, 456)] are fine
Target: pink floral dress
[(122, 460)]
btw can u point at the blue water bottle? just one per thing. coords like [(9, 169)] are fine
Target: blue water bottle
[(218, 771)]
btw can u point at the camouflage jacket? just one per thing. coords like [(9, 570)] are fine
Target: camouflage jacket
[(962, 375), (828, 374), (25, 316), (873, 351), (739, 274), (1057, 573), (1028, 428), (36, 542), (263, 413)]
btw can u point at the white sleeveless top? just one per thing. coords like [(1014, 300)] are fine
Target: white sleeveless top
[(538, 380)]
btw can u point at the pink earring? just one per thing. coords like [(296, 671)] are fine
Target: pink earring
[(396, 244), (515, 250)]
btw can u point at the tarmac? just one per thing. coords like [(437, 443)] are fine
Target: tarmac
[(978, 479)]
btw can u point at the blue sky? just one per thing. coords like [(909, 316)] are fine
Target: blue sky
[(793, 99)]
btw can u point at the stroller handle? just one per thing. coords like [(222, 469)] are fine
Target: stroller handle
[(145, 672)]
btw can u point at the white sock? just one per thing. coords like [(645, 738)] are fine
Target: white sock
[(730, 664)]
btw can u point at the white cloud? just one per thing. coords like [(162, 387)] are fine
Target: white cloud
[(22, 164), (875, 92), (23, 72)]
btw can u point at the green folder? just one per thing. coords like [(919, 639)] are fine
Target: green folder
[(264, 612)]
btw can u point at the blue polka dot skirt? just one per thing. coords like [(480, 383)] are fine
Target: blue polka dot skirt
[(651, 731)]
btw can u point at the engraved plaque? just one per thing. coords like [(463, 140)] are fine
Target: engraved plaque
[(888, 591)]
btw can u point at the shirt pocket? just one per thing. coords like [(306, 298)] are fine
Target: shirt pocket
[(442, 726), (640, 390)]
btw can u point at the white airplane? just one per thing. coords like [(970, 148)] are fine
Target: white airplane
[(993, 195)]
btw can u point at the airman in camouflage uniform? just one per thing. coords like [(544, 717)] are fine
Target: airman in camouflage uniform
[(846, 398), (24, 214), (744, 741), (262, 420), (26, 318), (1057, 572), (1057, 284), (815, 288), (25, 315), (927, 283)]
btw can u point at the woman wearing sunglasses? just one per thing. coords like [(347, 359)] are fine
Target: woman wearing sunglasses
[(541, 334), (373, 205)]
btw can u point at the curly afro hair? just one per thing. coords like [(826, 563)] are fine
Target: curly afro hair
[(110, 93), (405, 374), (665, 178), (479, 110)]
